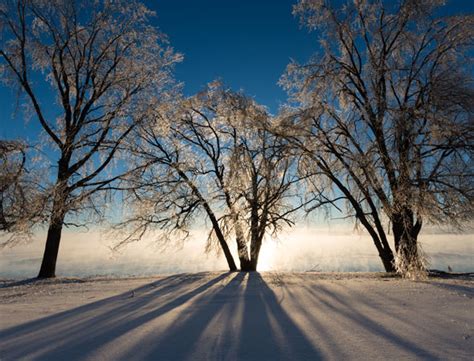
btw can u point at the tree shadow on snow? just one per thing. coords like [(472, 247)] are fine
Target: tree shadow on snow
[(267, 330), (365, 317), (462, 290), (78, 332), (183, 317), (242, 320)]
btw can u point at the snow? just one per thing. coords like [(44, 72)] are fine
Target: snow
[(238, 316)]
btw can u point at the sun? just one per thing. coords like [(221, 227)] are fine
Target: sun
[(267, 256)]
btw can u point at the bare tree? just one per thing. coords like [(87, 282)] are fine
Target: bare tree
[(262, 179), (218, 160), (106, 66), (22, 204), (385, 114)]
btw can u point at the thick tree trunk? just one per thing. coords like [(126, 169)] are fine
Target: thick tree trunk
[(255, 252), (249, 264), (397, 229), (405, 234), (255, 240), (242, 249), (53, 239), (50, 256), (246, 265), (409, 248)]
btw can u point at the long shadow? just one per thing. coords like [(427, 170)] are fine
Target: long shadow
[(267, 332), (234, 316), (230, 317), (243, 320), (468, 291), (324, 333), (70, 334), (107, 305), (434, 273), (187, 338), (340, 306)]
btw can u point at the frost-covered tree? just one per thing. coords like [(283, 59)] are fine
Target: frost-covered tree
[(215, 161), (22, 204), (385, 116), (89, 71)]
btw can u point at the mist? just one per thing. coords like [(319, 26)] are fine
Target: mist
[(300, 249)]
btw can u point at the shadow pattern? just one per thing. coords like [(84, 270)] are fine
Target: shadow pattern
[(230, 316)]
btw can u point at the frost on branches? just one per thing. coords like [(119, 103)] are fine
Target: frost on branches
[(22, 202), (107, 67), (217, 160), (384, 115)]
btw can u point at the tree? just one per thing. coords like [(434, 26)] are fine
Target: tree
[(106, 66), (21, 200), (385, 113), (217, 159)]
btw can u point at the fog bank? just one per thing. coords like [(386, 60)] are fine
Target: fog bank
[(301, 249)]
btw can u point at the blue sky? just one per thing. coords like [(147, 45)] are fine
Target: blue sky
[(245, 43)]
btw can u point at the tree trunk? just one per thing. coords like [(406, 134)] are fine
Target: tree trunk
[(249, 264), (377, 234), (50, 256), (246, 265), (226, 250), (388, 260), (242, 249), (214, 221), (255, 240), (385, 252), (221, 239), (246, 261), (255, 252), (405, 234), (53, 239)]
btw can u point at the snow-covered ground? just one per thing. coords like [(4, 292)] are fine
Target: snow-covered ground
[(238, 316)]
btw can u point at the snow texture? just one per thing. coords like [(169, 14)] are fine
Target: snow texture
[(238, 316)]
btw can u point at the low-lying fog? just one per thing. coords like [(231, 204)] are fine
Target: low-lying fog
[(300, 249)]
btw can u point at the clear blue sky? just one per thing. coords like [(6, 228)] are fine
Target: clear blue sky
[(245, 43)]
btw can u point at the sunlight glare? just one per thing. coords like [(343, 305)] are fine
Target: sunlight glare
[(266, 258)]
